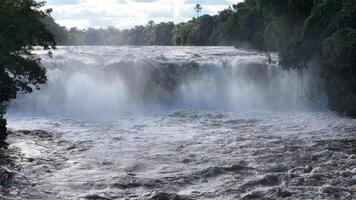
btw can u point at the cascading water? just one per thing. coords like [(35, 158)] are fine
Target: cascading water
[(178, 123), (111, 81)]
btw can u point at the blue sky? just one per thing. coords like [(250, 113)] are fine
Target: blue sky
[(128, 13)]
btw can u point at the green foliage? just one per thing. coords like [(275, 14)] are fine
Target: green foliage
[(323, 16), (244, 24), (151, 34), (161, 34), (181, 32), (339, 72), (249, 25), (326, 17), (21, 28), (194, 32), (60, 33), (328, 34)]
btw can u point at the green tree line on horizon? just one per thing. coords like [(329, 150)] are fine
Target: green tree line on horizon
[(201, 31)]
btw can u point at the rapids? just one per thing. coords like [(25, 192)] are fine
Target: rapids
[(178, 123)]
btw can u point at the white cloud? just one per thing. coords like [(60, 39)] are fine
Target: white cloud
[(63, 2), (80, 23), (128, 13), (208, 2)]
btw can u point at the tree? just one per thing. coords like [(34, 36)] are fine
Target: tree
[(324, 30), (59, 32), (339, 70), (21, 28), (198, 9), (93, 37), (163, 33)]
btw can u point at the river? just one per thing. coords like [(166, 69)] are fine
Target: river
[(178, 123)]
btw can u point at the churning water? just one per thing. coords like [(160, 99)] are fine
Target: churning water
[(107, 82), (179, 123)]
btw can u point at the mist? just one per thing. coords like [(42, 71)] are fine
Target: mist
[(108, 84)]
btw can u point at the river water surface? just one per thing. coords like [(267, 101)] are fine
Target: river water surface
[(178, 123)]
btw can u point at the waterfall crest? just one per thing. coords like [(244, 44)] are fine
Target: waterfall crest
[(110, 81)]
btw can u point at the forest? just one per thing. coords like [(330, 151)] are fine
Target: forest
[(300, 31)]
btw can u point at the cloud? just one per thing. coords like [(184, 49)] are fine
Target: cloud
[(63, 2), (161, 14), (128, 13), (145, 1), (99, 22), (80, 23), (208, 2)]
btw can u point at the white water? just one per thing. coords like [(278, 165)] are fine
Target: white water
[(111, 81), (200, 122)]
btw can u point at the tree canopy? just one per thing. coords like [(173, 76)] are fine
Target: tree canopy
[(21, 28)]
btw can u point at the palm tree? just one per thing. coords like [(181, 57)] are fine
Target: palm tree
[(198, 9)]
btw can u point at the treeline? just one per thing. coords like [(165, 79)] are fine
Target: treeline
[(151, 34), (226, 28), (221, 29)]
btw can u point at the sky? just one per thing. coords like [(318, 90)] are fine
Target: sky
[(128, 13)]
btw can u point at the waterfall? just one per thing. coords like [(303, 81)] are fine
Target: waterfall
[(104, 82)]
